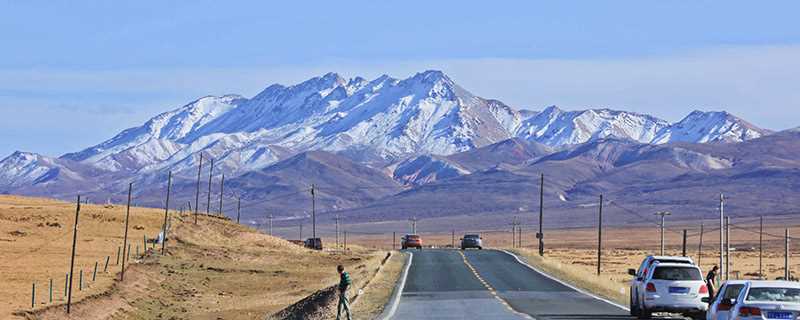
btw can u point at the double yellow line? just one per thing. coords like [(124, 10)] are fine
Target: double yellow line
[(492, 291)]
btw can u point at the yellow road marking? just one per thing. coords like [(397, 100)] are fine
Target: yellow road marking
[(492, 291)]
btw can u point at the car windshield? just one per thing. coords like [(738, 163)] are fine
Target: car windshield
[(677, 273), (774, 295), (471, 236), (413, 237)]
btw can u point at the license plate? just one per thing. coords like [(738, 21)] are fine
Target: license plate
[(678, 290), (780, 315)]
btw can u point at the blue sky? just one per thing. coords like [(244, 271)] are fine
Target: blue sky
[(74, 73)]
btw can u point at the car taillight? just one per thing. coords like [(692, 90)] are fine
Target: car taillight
[(749, 311), (703, 289), (651, 287)]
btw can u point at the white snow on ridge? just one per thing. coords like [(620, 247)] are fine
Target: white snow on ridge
[(703, 127), (555, 127)]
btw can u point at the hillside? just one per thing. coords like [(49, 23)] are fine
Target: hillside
[(214, 269)]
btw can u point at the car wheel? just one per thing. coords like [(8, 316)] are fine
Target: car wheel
[(634, 309), (697, 316), (480, 248), (645, 314), (419, 248)]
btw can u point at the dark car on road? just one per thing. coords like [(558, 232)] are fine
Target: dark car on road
[(313, 243), (471, 241), (411, 241)]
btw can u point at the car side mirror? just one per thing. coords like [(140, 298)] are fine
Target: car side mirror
[(632, 272), (705, 299)]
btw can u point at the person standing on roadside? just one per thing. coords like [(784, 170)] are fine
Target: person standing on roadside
[(711, 283), (344, 284)]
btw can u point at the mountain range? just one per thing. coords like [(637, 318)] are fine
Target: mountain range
[(377, 149)]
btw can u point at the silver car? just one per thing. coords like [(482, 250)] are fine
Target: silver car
[(756, 299), (472, 241)]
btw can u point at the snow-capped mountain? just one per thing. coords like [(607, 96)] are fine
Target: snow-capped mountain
[(424, 114), (159, 138), (405, 127), (555, 127), (715, 126)]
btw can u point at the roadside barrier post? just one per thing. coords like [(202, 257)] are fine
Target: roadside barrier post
[(94, 274), (80, 280), (105, 268), (51, 290), (33, 295), (66, 283), (119, 249), (600, 235)]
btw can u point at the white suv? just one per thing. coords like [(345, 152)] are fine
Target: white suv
[(637, 284), (756, 299), (672, 288)]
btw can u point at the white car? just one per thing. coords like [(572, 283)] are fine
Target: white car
[(637, 284), (756, 299), (672, 288)]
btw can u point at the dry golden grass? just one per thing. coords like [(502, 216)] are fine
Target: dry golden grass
[(213, 270), (379, 290), (36, 241)]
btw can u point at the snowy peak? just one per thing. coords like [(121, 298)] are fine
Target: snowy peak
[(555, 127), (713, 126), (158, 138)]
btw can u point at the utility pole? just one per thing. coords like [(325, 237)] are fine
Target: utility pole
[(301, 230), (166, 215), (238, 208), (700, 245), (727, 247), (600, 235), (270, 225), (540, 235), (514, 225), (336, 218), (662, 214), (197, 193), (72, 260), (684, 243), (394, 240), (221, 189), (313, 213), (786, 273), (760, 246), (453, 239), (721, 235), (210, 174), (125, 238), (413, 225)]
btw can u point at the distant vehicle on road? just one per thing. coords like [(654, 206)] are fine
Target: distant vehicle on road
[(756, 299), (411, 241), (672, 288), (471, 241), (313, 243), (639, 275)]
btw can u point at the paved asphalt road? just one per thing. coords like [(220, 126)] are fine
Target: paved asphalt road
[(490, 284)]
